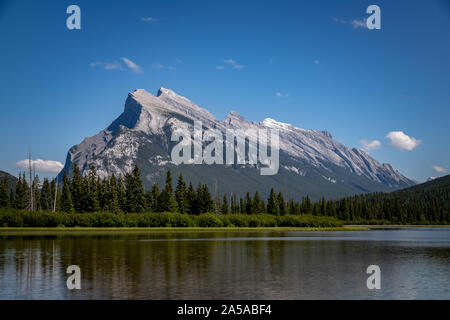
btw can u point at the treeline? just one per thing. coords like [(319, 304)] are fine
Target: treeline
[(89, 193)]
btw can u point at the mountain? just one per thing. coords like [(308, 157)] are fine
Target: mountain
[(436, 185), (311, 162), (12, 181)]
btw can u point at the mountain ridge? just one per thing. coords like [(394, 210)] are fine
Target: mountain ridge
[(141, 135)]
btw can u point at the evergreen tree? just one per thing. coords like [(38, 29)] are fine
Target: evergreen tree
[(121, 195), (180, 195), (22, 193), (46, 196), (36, 193), (155, 197), (204, 199), (66, 197), (92, 203), (110, 198), (4, 194), (134, 191), (76, 187), (272, 203), (282, 204), (191, 199), (225, 207), (248, 204), (167, 202), (258, 205)]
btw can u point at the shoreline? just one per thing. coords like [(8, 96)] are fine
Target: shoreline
[(8, 231), (143, 230)]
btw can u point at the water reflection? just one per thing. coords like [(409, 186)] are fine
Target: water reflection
[(228, 265)]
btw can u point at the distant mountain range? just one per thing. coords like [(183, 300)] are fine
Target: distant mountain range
[(311, 162)]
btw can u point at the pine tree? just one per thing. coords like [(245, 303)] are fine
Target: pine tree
[(225, 207), (76, 187), (36, 193), (46, 196), (121, 195), (4, 195), (191, 199), (110, 199), (22, 193), (258, 205), (272, 203), (180, 195), (282, 204), (205, 201), (167, 201), (155, 197), (92, 203), (248, 204), (66, 197), (134, 191)]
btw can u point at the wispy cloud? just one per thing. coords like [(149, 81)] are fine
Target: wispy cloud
[(233, 63), (107, 65), (220, 67), (116, 65), (316, 61), (359, 23), (402, 141), (356, 23), (160, 66), (439, 169), (42, 166), (149, 19), (279, 94), (131, 65), (369, 145)]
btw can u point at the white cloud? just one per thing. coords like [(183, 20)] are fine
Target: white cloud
[(402, 141), (112, 66), (107, 65), (369, 145), (279, 94), (43, 166), (439, 169), (115, 65), (133, 66), (338, 20), (316, 61), (356, 23), (219, 67), (234, 64), (230, 61), (359, 23), (149, 19)]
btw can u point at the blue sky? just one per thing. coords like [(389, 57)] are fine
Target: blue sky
[(309, 63)]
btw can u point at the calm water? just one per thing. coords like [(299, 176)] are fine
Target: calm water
[(415, 264)]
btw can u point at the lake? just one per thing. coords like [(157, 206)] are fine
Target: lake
[(414, 263)]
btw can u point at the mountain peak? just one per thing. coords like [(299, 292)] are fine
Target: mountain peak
[(165, 91), (271, 123)]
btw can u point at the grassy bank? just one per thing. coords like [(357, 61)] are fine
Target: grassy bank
[(24, 219), (111, 231)]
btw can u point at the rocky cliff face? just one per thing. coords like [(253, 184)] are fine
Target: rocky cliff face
[(311, 162)]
